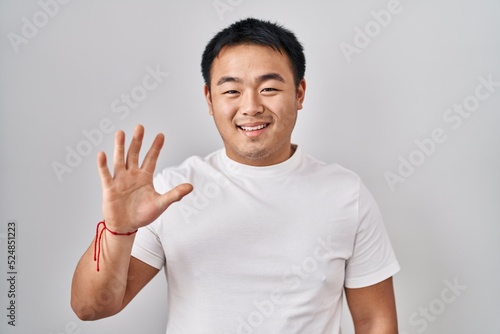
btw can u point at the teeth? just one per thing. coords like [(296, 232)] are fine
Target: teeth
[(253, 128)]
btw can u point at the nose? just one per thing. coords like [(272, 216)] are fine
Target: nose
[(251, 104)]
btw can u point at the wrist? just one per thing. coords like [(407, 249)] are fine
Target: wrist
[(118, 228), (98, 236)]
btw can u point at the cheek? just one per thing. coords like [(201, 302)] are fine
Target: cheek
[(286, 114), (223, 118), (288, 122), (224, 109)]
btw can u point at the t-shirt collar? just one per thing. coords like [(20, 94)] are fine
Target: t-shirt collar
[(281, 168)]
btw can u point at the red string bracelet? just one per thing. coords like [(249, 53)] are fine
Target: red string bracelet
[(98, 237)]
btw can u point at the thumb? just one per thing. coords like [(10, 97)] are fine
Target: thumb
[(175, 194)]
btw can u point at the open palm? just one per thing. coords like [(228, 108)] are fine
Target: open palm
[(129, 198)]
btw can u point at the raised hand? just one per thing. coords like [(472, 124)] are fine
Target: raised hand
[(129, 198)]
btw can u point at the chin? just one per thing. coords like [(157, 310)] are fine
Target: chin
[(257, 155)]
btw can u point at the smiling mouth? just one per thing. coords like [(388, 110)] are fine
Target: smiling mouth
[(253, 128)]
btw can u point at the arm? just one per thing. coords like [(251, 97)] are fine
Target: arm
[(98, 295), (129, 202), (373, 308)]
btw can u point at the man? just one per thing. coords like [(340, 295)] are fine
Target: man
[(269, 239)]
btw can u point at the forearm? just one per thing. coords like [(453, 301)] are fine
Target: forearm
[(377, 326), (99, 294)]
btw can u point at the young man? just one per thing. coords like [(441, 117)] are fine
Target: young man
[(269, 239)]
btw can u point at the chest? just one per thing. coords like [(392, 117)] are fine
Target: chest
[(293, 235)]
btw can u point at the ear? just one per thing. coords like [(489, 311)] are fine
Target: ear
[(208, 98), (301, 93)]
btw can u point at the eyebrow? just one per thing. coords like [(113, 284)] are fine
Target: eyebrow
[(225, 79), (260, 79)]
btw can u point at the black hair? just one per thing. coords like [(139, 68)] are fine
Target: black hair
[(252, 31)]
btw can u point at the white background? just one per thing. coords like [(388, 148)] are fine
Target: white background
[(363, 112)]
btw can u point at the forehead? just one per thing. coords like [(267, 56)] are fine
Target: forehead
[(242, 60)]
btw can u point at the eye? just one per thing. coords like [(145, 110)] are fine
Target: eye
[(269, 91), (231, 92)]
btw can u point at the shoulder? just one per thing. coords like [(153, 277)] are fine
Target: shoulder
[(187, 171), (330, 173)]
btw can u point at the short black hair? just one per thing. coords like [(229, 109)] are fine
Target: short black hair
[(252, 31)]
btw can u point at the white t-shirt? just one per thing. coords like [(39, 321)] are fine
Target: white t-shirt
[(264, 249)]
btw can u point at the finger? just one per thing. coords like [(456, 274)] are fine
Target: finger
[(118, 155), (151, 157), (175, 195), (102, 167), (135, 147)]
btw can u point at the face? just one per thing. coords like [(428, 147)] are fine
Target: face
[(254, 103)]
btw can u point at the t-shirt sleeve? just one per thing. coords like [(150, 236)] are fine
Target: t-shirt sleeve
[(147, 247), (373, 258)]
